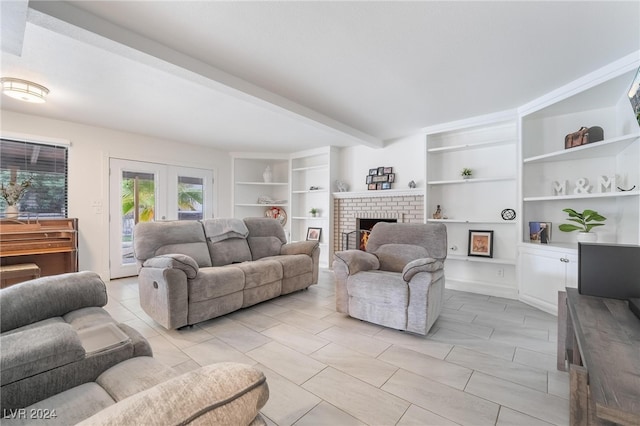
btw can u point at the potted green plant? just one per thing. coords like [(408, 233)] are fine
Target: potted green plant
[(466, 173), (586, 221), (314, 211)]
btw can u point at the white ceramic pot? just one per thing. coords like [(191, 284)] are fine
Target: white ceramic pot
[(587, 237), (12, 212)]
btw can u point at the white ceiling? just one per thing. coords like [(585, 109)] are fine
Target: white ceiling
[(285, 76)]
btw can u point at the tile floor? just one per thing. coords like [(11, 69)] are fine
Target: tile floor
[(487, 360)]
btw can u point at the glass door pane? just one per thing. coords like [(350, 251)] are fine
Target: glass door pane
[(135, 196), (190, 198)]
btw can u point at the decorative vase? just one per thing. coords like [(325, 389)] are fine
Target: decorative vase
[(267, 175), (587, 237), (12, 212)]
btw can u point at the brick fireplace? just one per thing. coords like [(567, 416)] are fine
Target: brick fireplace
[(350, 209)]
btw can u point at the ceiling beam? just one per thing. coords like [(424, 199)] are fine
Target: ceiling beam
[(68, 20)]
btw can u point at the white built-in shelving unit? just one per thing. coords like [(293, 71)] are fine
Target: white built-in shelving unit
[(598, 99), (488, 146)]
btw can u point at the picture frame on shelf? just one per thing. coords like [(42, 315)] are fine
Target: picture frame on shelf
[(372, 186), (380, 171), (392, 177), (480, 243), (380, 178), (540, 232), (387, 170), (314, 234), (373, 172), (369, 179), (386, 185)]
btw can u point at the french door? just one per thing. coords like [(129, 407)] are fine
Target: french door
[(142, 192)]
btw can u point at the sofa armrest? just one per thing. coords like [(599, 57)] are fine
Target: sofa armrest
[(356, 261), (32, 301), (299, 247), (177, 261), (223, 393), (32, 351), (426, 264)]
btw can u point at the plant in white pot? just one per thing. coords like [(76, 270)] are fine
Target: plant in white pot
[(586, 221), (314, 211)]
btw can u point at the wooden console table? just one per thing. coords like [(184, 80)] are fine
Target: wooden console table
[(51, 244), (600, 339)]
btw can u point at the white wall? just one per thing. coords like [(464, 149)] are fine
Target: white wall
[(406, 156), (89, 175)]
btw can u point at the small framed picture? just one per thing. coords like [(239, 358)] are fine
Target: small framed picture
[(540, 232), (369, 179), (313, 234), (392, 177), (372, 187), (380, 178), (480, 243), (378, 186), (386, 185), (380, 171), (387, 170), (373, 172)]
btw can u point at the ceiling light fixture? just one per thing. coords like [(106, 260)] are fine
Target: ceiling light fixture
[(23, 90)]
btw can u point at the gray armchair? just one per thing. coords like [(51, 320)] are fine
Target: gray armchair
[(398, 281)]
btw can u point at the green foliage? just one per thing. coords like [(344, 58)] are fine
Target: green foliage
[(584, 219), (466, 172)]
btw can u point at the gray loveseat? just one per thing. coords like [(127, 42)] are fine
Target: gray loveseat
[(50, 376), (398, 281), (192, 271)]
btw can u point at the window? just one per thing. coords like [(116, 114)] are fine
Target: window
[(41, 170)]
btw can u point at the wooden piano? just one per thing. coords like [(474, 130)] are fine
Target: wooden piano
[(52, 244)]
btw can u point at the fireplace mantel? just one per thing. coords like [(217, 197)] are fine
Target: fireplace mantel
[(381, 193)]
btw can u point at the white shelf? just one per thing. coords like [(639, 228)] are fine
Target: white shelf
[(480, 145), (308, 191), (263, 183), (583, 196), (605, 148), (309, 218), (474, 221), (461, 258), (472, 180), (306, 169), (260, 205)]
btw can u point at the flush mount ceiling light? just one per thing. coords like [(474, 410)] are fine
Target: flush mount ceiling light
[(23, 90)]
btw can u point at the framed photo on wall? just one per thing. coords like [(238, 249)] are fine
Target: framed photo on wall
[(313, 234), (480, 243)]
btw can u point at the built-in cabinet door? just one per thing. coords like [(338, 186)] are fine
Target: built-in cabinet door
[(543, 272)]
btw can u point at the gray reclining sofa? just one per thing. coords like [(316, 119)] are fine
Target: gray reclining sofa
[(192, 271), (53, 374)]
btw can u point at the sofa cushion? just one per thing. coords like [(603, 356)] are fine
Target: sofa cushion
[(68, 407), (293, 264), (38, 349), (260, 273), (87, 317), (134, 375), (266, 237), (47, 297), (394, 257), (217, 394), (214, 282), (171, 237), (379, 287), (232, 250)]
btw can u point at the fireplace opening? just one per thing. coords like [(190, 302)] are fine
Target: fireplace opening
[(364, 227)]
